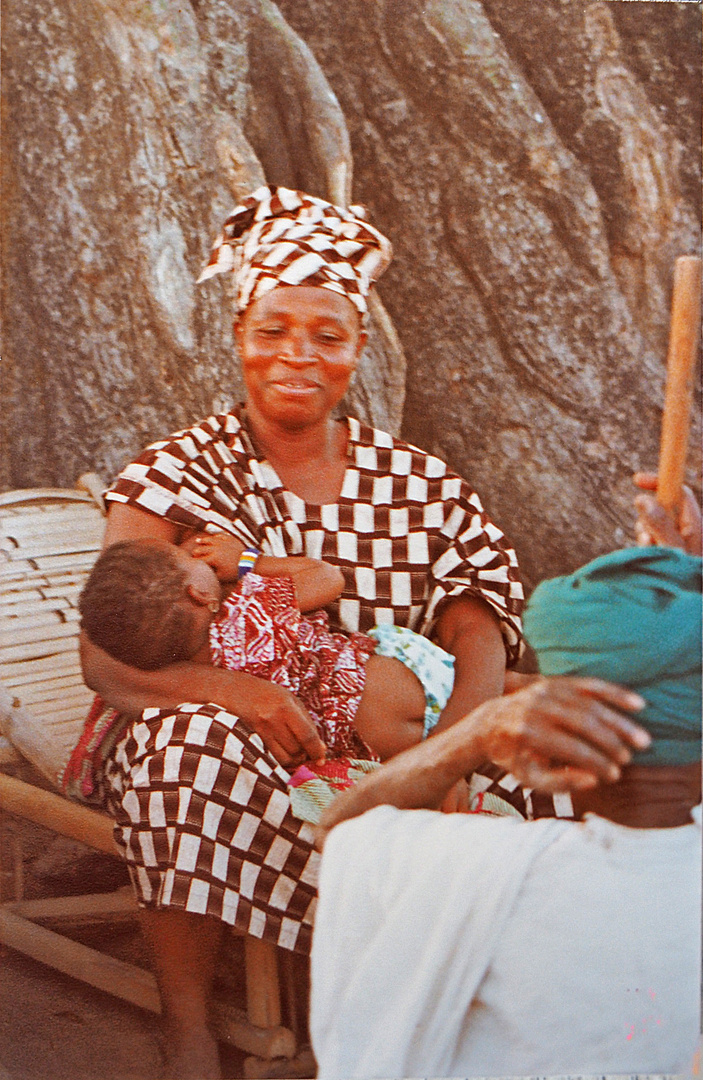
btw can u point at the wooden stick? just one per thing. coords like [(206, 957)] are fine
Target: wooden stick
[(683, 342), (263, 993)]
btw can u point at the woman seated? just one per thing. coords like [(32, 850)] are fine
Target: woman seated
[(197, 784), (477, 946)]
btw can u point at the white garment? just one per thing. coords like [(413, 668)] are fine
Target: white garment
[(455, 945)]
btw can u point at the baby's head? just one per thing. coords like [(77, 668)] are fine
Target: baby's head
[(148, 603)]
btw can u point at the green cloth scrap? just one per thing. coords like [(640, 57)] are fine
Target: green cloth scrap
[(632, 617)]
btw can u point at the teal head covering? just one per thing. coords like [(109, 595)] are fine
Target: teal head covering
[(634, 618)]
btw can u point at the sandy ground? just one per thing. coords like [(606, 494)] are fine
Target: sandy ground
[(53, 1027)]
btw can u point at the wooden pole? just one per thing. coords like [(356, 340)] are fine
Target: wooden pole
[(683, 343), (91, 827)]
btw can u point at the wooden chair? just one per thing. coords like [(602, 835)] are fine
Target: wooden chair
[(49, 539)]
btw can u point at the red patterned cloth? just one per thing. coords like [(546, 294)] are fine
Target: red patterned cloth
[(261, 630), (314, 786), (77, 780)]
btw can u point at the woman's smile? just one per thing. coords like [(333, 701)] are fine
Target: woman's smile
[(296, 387)]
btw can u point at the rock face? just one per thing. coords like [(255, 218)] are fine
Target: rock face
[(536, 166)]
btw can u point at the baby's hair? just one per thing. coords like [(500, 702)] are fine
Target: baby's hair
[(135, 606)]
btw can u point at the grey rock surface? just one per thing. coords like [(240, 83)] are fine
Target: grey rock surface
[(537, 167)]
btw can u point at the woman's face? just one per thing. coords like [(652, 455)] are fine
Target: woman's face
[(299, 346)]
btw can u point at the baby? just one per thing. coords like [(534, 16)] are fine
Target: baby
[(148, 604)]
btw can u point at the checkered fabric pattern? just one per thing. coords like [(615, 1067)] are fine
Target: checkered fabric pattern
[(282, 237), (203, 817), (492, 790), (406, 532)]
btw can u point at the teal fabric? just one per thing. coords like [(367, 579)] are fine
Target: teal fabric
[(634, 618)]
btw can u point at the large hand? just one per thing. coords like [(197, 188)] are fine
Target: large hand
[(560, 734), (655, 526), (557, 734)]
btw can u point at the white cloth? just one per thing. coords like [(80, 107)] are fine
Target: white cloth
[(454, 945)]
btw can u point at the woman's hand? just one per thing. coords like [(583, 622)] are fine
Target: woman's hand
[(656, 526), (560, 734), (283, 724), (280, 719)]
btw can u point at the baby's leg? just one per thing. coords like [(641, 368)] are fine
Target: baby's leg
[(429, 667), (391, 713)]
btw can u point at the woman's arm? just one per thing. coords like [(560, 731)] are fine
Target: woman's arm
[(128, 523), (469, 630), (272, 711), (558, 734)]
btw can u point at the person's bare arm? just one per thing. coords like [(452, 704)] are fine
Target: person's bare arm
[(128, 523), (316, 583), (558, 734), (271, 710), (469, 630)]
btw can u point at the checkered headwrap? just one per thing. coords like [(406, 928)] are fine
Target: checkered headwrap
[(283, 237)]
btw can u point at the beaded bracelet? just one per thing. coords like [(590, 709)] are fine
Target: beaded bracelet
[(247, 561)]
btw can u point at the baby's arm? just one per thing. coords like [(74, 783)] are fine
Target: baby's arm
[(219, 550), (316, 583)]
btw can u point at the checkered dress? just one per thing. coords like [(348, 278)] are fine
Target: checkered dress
[(406, 532), (201, 807)]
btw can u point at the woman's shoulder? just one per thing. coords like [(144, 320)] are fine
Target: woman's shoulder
[(191, 442), (220, 427), (370, 443)]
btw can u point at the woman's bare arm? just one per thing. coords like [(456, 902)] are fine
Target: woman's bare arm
[(469, 630), (272, 711), (129, 523)]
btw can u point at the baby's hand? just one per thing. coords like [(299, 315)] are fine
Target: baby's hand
[(220, 551)]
